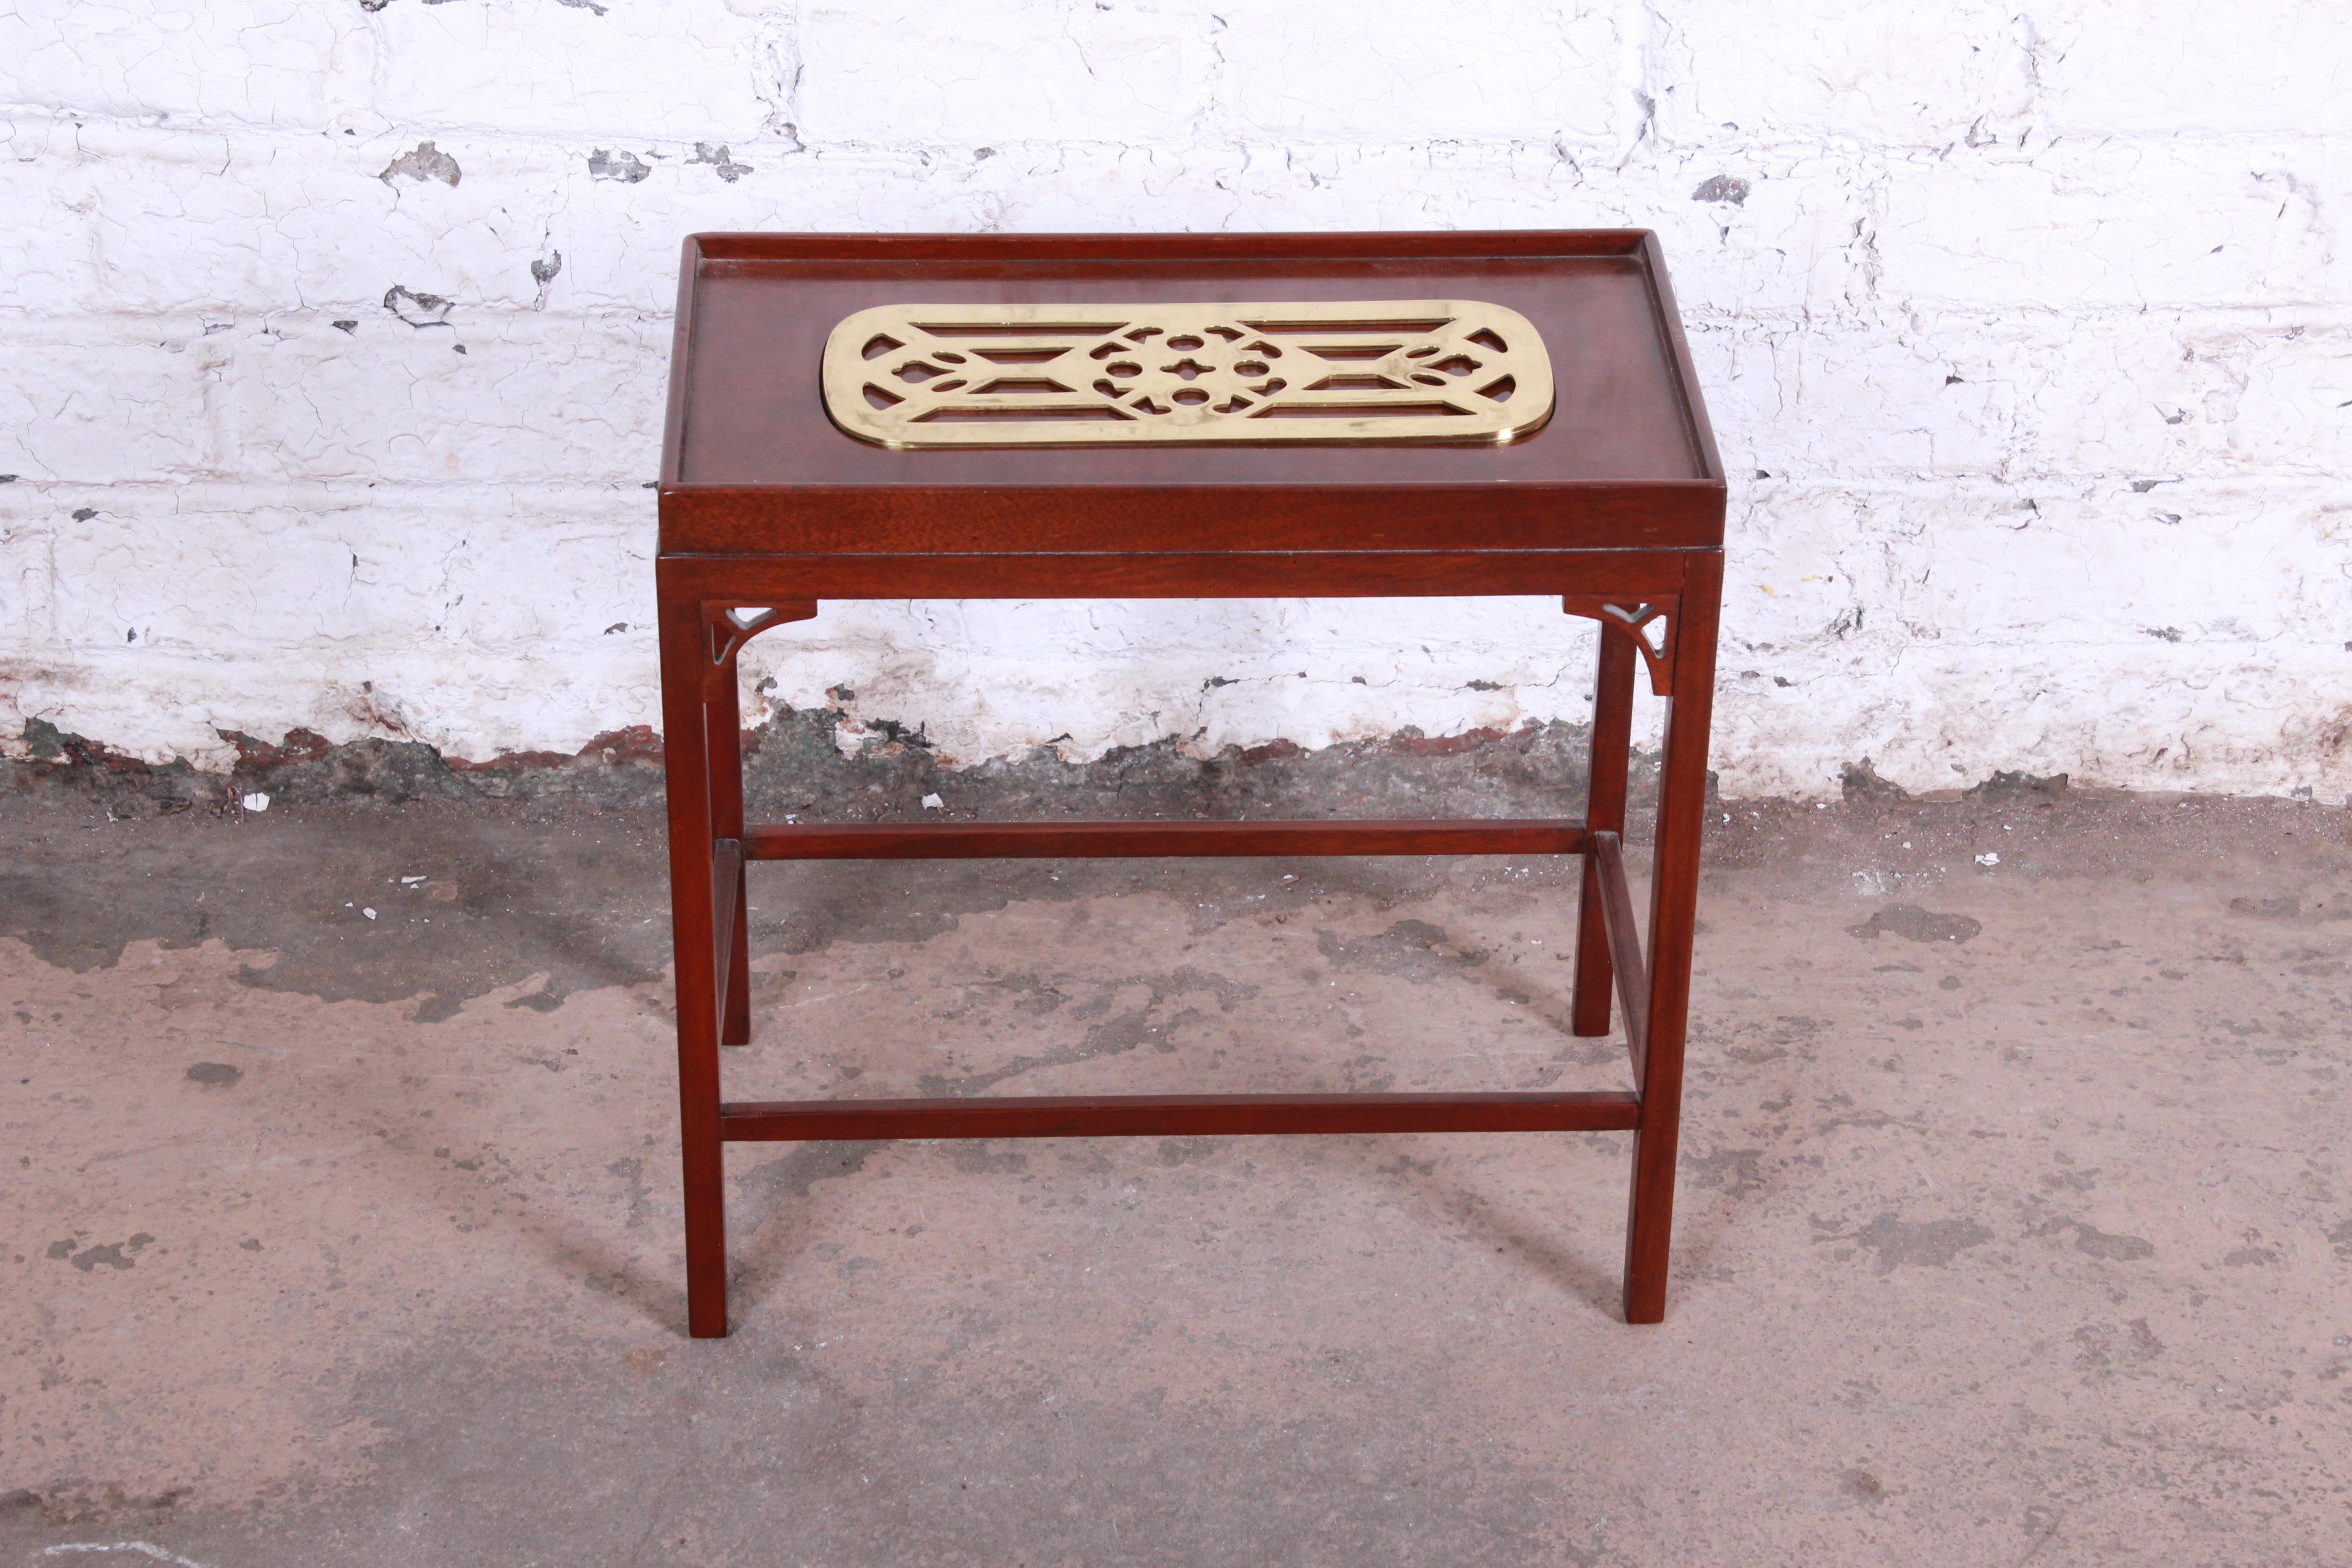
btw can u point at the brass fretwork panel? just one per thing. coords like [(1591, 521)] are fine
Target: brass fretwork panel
[(1451, 371)]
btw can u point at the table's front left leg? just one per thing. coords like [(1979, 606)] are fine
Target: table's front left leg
[(685, 768), (1674, 915), (729, 628), (702, 766)]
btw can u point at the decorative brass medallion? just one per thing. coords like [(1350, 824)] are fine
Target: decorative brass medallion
[(1450, 370)]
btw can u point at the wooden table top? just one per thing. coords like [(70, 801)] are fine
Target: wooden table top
[(752, 464)]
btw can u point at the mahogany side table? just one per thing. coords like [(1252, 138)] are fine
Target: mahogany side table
[(777, 492)]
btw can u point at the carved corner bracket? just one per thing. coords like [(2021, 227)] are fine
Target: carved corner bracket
[(727, 628), (1651, 623)]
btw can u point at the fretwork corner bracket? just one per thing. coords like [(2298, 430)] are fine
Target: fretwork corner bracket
[(727, 628), (1650, 624)]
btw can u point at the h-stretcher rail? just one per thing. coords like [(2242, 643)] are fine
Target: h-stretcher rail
[(1175, 1115), (1179, 1115), (1085, 840)]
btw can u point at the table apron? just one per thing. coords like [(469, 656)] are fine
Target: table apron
[(1252, 574)]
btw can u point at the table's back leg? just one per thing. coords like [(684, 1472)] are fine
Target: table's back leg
[(1674, 914), (686, 763), (723, 722), (1605, 812)]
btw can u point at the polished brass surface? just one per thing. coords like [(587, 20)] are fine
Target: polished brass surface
[(1454, 372)]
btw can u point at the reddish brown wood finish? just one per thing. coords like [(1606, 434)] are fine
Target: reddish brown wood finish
[(1617, 503), (1074, 840), (1674, 917), (1623, 945), (1605, 812), (1178, 1116)]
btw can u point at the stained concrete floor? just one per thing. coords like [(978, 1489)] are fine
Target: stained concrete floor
[(2015, 1225)]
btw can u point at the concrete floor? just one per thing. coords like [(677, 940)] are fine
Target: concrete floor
[(2015, 1225)]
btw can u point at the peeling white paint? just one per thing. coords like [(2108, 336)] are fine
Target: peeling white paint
[(146, 1549), (332, 342)]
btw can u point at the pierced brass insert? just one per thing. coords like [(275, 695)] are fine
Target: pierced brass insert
[(1447, 371)]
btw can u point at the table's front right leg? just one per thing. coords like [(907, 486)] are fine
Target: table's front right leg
[(1688, 668)]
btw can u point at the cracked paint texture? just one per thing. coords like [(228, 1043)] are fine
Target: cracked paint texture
[(2023, 332)]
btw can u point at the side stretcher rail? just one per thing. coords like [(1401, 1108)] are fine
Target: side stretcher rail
[(1156, 1115)]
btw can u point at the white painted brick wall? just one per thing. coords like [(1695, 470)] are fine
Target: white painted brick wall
[(2029, 343)]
